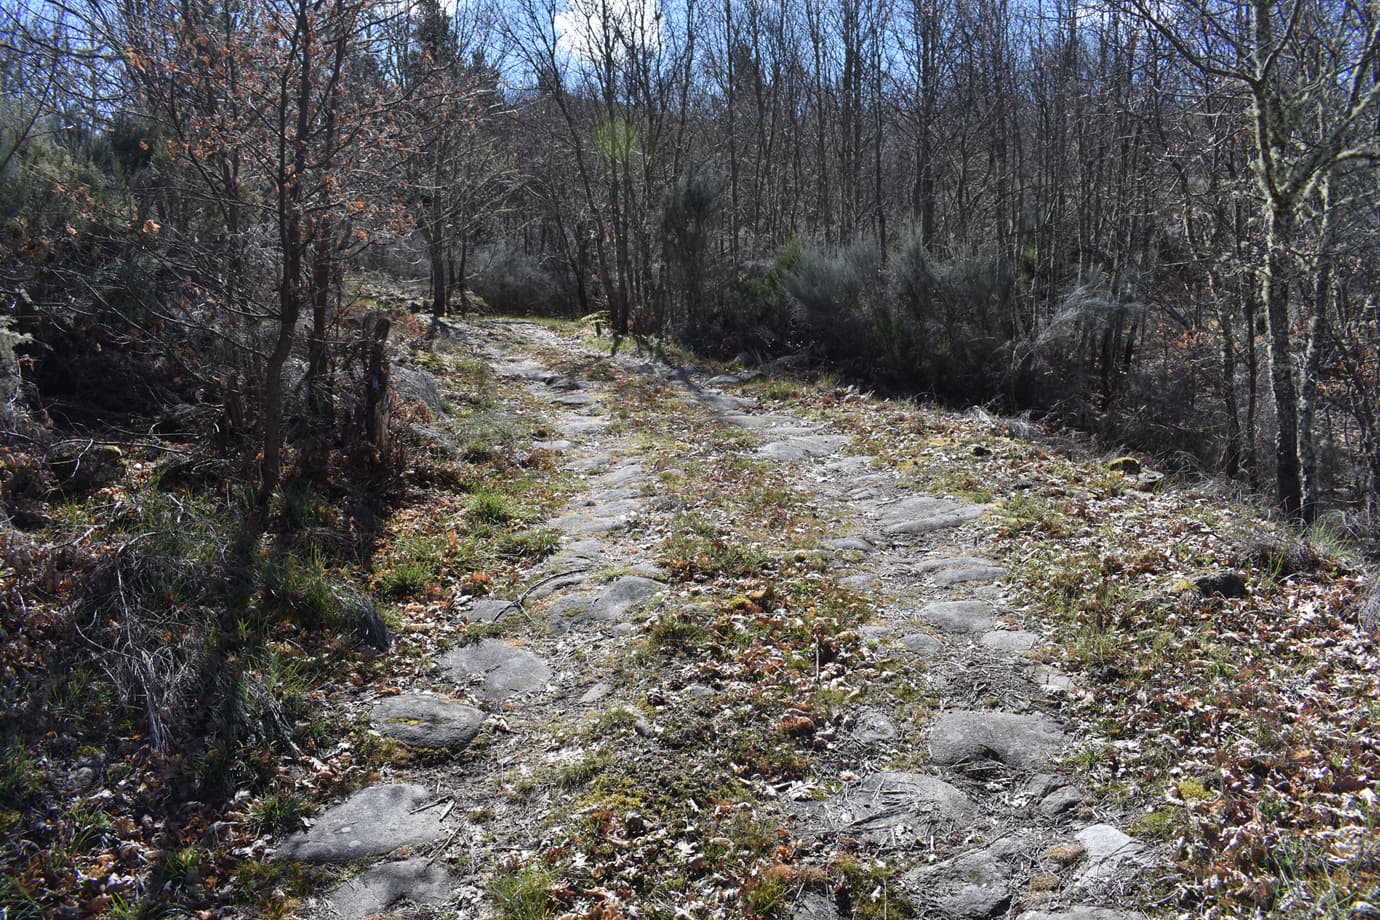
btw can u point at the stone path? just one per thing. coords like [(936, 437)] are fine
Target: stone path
[(983, 821)]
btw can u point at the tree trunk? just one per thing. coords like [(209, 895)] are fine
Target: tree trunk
[(1317, 329), (271, 426), (440, 283), (319, 402), (1283, 389), (1232, 455), (1252, 395), (293, 242), (376, 374), (461, 272), (1308, 392)]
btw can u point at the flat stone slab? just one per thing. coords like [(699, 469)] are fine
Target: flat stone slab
[(567, 383), (569, 609), (976, 574), (922, 644), (976, 885), (854, 544), (577, 554), (974, 902), (789, 432), (937, 563), (605, 518), (565, 579), (526, 370), (1022, 740), (960, 618), (604, 496), (1083, 912), (596, 693), (958, 570), (487, 609), (806, 447), (587, 524), (872, 726), (864, 582), (581, 427), (865, 486), (574, 399), (720, 402), (854, 466), (607, 605), (608, 505), (1053, 681), (1108, 852), (417, 879), (555, 447), (759, 422), (627, 474), (815, 905), (371, 822), (922, 514), (1061, 800), (623, 595), (423, 720), (589, 464), (899, 809), (875, 632), (501, 670), (1010, 641)]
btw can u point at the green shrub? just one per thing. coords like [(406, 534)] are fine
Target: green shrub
[(837, 293)]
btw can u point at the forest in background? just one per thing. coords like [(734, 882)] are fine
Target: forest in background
[(1155, 222)]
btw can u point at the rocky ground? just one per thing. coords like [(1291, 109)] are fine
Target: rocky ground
[(762, 672)]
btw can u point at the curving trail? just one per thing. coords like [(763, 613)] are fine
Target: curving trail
[(916, 763)]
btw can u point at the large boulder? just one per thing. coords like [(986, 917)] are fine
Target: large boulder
[(413, 385)]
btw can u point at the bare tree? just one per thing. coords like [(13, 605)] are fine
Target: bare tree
[(1308, 69), (257, 101)]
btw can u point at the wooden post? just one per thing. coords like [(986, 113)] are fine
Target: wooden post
[(374, 331)]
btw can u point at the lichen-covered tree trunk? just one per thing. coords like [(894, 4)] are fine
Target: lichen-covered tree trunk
[(1312, 360)]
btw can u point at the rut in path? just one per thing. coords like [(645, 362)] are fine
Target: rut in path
[(760, 675)]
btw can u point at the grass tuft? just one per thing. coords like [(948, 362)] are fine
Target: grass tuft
[(522, 895), (279, 812), (697, 550), (492, 508)]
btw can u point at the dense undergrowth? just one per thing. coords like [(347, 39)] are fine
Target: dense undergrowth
[(171, 648)]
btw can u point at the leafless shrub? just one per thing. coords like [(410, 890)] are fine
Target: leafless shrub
[(1368, 611), (151, 647), (511, 281)]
